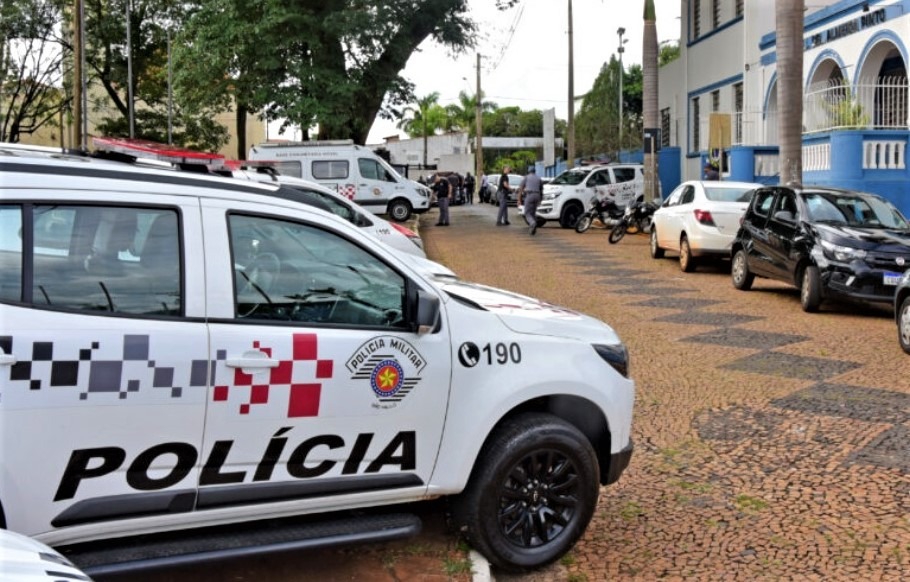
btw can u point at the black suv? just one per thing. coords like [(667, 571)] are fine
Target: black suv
[(827, 242)]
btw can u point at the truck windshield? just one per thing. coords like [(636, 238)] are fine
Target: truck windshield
[(570, 177)]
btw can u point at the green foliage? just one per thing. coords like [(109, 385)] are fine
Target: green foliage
[(845, 112), (199, 133), (668, 53), (463, 115), (519, 161)]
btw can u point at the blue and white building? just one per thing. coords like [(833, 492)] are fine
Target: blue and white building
[(855, 104)]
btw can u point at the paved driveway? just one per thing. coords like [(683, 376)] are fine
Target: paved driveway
[(770, 443)]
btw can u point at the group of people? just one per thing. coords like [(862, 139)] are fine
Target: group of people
[(447, 188), (530, 191)]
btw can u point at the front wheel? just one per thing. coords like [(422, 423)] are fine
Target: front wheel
[(571, 212), (810, 293), (618, 232), (903, 325), (584, 223), (400, 210), (531, 494)]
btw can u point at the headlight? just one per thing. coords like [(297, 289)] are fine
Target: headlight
[(615, 355), (841, 253)]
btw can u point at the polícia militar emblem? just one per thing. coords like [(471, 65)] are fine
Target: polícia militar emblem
[(391, 365), (387, 378)]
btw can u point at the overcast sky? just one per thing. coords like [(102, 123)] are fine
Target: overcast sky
[(524, 52)]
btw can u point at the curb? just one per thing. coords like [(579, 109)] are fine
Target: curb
[(480, 568)]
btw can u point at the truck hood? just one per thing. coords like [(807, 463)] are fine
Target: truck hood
[(527, 315)]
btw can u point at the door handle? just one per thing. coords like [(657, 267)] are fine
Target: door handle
[(7, 359), (252, 359)]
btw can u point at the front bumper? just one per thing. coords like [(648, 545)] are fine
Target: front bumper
[(859, 285)]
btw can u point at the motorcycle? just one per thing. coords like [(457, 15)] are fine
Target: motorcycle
[(603, 209), (636, 218)]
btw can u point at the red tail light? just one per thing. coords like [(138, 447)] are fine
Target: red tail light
[(404, 230), (704, 217)]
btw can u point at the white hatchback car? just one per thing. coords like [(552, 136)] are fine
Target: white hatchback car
[(698, 219)]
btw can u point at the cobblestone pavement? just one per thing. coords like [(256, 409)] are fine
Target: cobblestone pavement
[(770, 443)]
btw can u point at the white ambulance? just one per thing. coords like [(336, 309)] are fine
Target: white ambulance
[(195, 358), (352, 170)]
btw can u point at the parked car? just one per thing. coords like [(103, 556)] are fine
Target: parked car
[(569, 195), (182, 351), (902, 311), (514, 182), (825, 241), (700, 219)]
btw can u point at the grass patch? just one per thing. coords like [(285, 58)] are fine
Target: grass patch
[(453, 567), (568, 559), (750, 504), (576, 577), (630, 511)]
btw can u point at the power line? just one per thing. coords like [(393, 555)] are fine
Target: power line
[(515, 22)]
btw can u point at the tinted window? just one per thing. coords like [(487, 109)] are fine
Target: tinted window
[(688, 195), (858, 210), (286, 271), (570, 177), (624, 174), (330, 170), (113, 259), (372, 170), (599, 179), (729, 194)]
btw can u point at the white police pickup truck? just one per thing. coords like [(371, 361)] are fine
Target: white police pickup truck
[(570, 194), (180, 353)]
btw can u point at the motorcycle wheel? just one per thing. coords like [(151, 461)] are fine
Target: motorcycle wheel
[(633, 228), (584, 223), (617, 233)]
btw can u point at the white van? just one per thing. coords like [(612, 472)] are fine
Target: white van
[(352, 170)]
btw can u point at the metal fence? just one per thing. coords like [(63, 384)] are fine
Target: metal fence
[(879, 104)]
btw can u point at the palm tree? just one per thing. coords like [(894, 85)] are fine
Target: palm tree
[(463, 115), (650, 50), (423, 120), (789, 15)]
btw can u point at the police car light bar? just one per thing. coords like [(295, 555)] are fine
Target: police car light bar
[(145, 149)]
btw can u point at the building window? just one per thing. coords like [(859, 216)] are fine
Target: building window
[(665, 127), (739, 7), (738, 112), (696, 125), (696, 18), (715, 13), (715, 101)]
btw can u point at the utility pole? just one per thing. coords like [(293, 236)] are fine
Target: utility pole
[(77, 75), (620, 50), (570, 128), (129, 69), (478, 137)]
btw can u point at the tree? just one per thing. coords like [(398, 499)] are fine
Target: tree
[(339, 61), (424, 120), (789, 25), (463, 115), (32, 67), (106, 57), (669, 52), (649, 94), (596, 121)]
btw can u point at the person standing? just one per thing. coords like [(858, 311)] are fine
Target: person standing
[(443, 190), (502, 218), (484, 188), (469, 187), (530, 190)]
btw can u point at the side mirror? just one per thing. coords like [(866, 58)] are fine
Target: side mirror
[(425, 308)]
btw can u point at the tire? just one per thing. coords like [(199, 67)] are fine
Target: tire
[(656, 251), (903, 324), (810, 292), (399, 210), (512, 488), (584, 223), (686, 260), (571, 212), (617, 233), (742, 276)]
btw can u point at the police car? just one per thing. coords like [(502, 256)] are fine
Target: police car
[(183, 352)]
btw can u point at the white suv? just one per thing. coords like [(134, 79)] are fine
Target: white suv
[(569, 195), (183, 351)]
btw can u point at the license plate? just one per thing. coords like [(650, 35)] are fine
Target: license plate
[(892, 278)]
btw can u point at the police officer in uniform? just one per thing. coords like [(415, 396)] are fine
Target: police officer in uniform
[(443, 190), (530, 190)]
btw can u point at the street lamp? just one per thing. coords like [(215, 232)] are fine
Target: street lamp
[(621, 31)]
